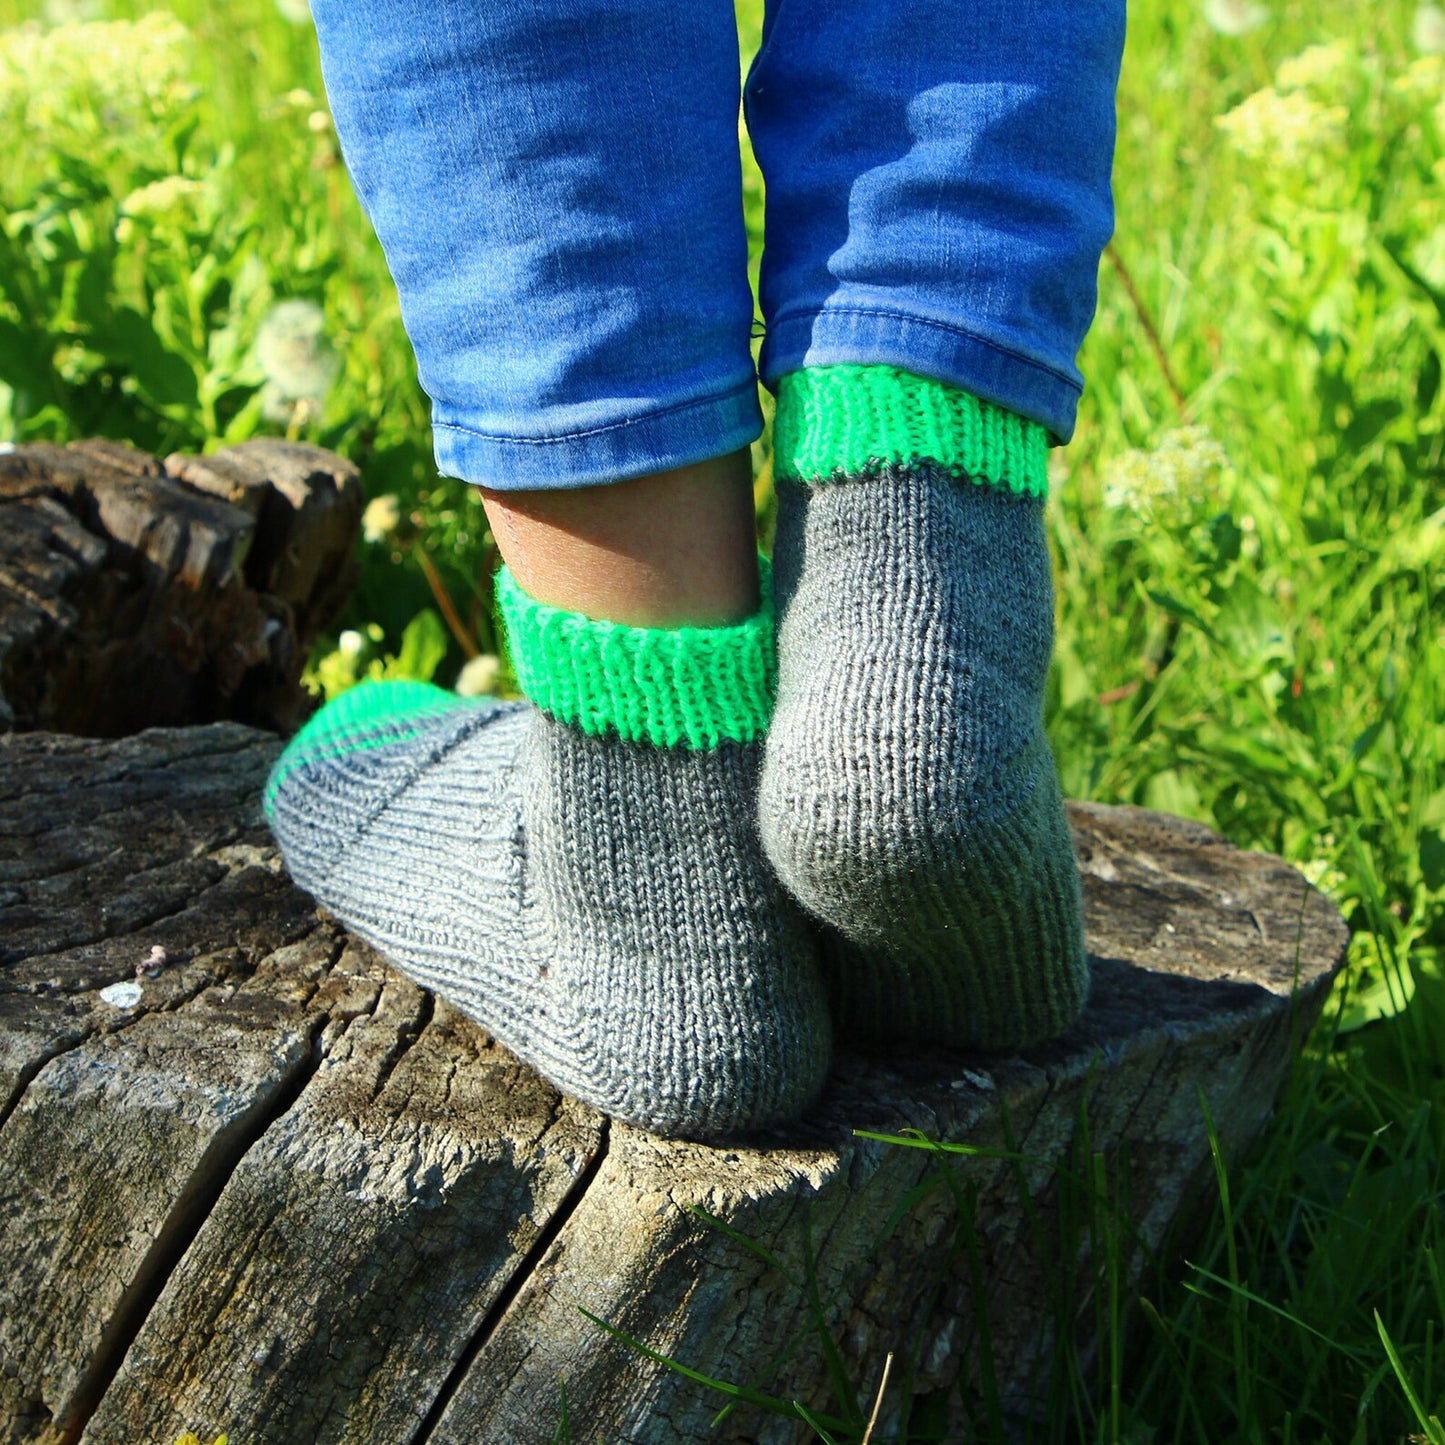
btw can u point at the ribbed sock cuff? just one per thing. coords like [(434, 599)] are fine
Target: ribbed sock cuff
[(696, 686), (836, 422)]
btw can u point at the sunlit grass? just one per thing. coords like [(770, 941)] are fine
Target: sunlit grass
[(1248, 530)]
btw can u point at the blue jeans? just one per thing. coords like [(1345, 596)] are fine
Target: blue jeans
[(557, 187)]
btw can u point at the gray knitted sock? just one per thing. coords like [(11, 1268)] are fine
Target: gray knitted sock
[(909, 797), (599, 904)]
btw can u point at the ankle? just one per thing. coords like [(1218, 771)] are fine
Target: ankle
[(674, 549)]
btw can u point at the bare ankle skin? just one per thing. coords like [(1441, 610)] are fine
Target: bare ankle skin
[(674, 549)]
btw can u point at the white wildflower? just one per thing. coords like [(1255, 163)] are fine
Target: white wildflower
[(1283, 129), (318, 122), (479, 675), (164, 198), (1327, 70), (1428, 29), (1184, 468), (297, 359), (351, 643), (1235, 17), (381, 518), (1324, 875), (119, 72), (298, 12)]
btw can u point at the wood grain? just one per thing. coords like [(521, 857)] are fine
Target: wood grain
[(287, 1196), (136, 593)]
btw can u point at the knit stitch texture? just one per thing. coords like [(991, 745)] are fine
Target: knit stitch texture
[(909, 798), (841, 422), (698, 686), (599, 906)]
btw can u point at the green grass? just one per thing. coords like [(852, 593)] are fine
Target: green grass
[(1248, 528)]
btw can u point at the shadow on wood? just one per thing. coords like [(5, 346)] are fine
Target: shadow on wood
[(275, 1190)]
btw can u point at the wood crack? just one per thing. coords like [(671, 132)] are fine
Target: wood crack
[(174, 1238), (406, 1041), (211, 1228), (524, 1271)]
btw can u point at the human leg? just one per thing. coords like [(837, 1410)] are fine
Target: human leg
[(578, 872), (938, 193), (675, 549)]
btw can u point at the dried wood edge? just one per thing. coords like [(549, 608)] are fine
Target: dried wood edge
[(494, 1317)]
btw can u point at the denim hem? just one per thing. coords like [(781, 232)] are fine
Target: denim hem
[(662, 439), (863, 335)]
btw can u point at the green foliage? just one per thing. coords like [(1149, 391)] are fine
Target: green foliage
[(183, 264), (359, 656), (1250, 548), (1249, 530)]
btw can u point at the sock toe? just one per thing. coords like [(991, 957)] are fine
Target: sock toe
[(349, 762)]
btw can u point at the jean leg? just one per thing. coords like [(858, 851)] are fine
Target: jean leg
[(938, 189), (557, 187)]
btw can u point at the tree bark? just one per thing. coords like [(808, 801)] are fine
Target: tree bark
[(137, 594), (282, 1193)]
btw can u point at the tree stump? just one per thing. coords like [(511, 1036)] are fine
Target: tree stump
[(135, 593), (272, 1188)]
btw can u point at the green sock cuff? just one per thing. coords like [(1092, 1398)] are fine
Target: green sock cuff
[(836, 422), (372, 714), (696, 686)]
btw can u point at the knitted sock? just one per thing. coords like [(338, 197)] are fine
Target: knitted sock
[(909, 798), (579, 873)]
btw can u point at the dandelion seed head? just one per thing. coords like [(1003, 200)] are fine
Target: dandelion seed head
[(72, 12), (478, 677), (381, 518), (297, 359), (1428, 29), (1235, 17)]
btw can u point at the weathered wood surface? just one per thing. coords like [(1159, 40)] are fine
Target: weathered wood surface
[(287, 1196), (135, 593)]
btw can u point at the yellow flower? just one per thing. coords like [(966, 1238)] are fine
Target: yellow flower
[(1327, 70), (114, 71), (1283, 129), (1423, 79)]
